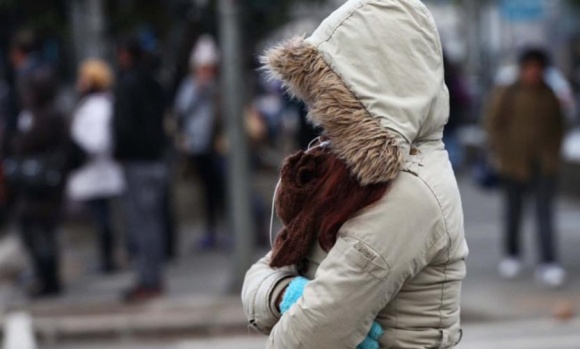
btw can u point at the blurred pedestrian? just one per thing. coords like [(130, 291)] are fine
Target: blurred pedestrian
[(372, 251), (196, 107), (5, 95), (525, 124), (269, 104), (152, 60), (4, 115), (100, 179), (140, 144), (36, 173), (554, 77), (25, 60), (458, 104)]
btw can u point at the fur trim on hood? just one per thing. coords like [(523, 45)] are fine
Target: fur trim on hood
[(368, 149), (369, 98)]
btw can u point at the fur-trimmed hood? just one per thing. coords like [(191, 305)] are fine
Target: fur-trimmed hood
[(372, 77)]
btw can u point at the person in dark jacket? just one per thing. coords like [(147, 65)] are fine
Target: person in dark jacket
[(4, 112), (525, 126), (41, 132), (24, 60), (140, 144)]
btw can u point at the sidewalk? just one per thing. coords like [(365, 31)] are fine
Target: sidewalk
[(537, 334), (197, 304), (485, 295)]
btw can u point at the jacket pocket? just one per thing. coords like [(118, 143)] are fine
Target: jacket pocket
[(363, 256)]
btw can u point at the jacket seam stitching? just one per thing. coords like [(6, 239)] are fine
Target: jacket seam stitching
[(443, 286), (433, 28), (440, 206), (347, 17), (448, 249), (396, 321)]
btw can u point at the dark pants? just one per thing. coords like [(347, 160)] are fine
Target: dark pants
[(144, 208), (211, 174), (172, 240), (102, 215), (544, 188), (39, 237), (171, 235)]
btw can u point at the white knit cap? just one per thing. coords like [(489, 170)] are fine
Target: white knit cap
[(205, 52)]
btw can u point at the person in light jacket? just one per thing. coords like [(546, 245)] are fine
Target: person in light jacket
[(100, 179), (351, 270), (196, 108)]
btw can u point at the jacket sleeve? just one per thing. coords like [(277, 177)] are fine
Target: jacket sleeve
[(377, 251), (262, 287)]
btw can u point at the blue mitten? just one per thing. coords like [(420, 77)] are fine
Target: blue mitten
[(295, 290), (372, 340), (293, 293)]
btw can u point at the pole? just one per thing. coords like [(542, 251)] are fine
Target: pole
[(96, 29), (77, 19), (239, 193), (473, 28), (472, 25), (88, 23)]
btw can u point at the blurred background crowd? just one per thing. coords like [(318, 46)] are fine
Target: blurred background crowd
[(140, 147)]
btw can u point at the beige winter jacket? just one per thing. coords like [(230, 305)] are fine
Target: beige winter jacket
[(372, 76)]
